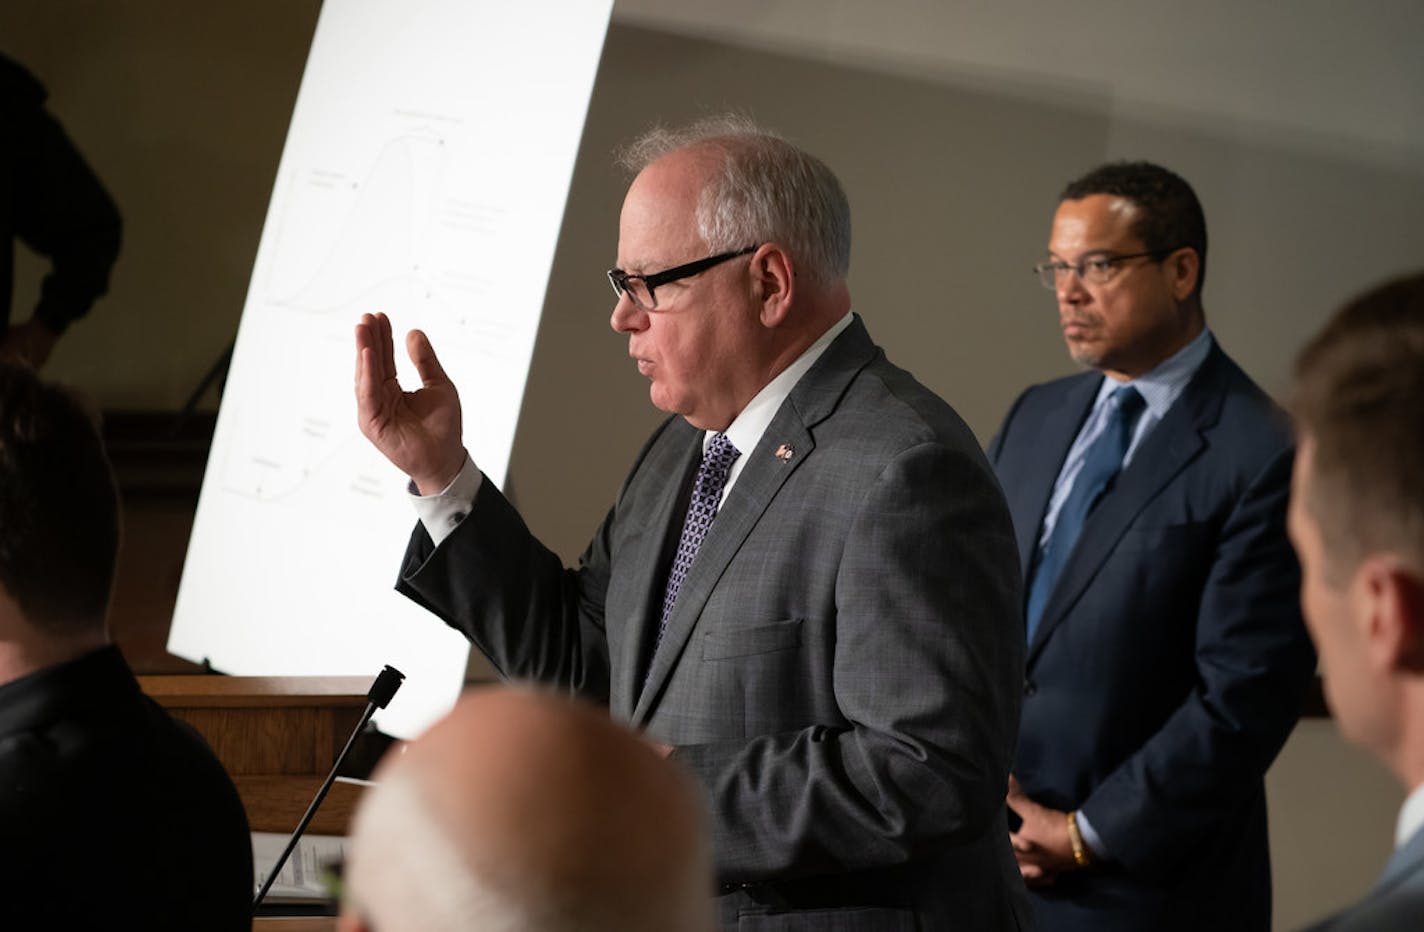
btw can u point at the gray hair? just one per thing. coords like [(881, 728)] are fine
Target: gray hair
[(767, 190), (408, 868)]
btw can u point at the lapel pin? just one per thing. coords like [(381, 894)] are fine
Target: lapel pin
[(784, 453)]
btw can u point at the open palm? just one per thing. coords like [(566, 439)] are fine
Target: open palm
[(419, 431)]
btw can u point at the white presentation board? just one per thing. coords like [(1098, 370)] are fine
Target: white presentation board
[(424, 175)]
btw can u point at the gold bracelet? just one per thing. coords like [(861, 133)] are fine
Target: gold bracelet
[(1080, 850)]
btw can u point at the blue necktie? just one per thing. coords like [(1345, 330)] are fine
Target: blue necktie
[(717, 462), (1101, 465)]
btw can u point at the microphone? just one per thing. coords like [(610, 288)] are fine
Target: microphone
[(377, 697)]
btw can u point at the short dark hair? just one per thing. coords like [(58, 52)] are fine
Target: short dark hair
[(59, 510), (1359, 401), (1170, 214)]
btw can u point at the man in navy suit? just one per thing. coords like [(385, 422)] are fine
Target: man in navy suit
[(1167, 659), (1357, 520)]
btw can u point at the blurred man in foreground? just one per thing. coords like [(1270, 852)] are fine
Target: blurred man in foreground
[(1357, 521), (112, 815), (523, 811)]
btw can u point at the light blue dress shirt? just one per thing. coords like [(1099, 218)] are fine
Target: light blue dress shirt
[(1160, 389)]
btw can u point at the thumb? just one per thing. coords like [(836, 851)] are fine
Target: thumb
[(427, 366)]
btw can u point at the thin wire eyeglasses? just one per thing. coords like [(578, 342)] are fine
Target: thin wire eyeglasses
[(640, 288), (1094, 269)]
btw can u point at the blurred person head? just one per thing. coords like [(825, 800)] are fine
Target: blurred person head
[(59, 526), (1357, 517), (525, 811)]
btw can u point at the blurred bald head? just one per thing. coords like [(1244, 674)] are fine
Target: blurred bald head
[(524, 811)]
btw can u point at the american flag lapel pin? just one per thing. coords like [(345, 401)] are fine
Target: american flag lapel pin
[(784, 452)]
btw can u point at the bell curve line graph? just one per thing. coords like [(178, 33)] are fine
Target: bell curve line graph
[(380, 239)]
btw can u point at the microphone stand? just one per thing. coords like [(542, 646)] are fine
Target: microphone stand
[(377, 697)]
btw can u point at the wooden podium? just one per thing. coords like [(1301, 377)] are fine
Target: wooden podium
[(278, 737)]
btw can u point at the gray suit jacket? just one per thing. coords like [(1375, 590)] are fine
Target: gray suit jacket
[(1396, 904), (843, 667)]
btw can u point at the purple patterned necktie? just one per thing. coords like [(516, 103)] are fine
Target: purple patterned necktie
[(717, 461)]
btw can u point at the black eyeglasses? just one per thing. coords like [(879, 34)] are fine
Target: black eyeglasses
[(640, 288), (1095, 268)]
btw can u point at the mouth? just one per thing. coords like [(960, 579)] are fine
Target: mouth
[(1077, 329)]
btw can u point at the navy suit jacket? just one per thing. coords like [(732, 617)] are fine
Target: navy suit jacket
[(1170, 661), (1396, 904)]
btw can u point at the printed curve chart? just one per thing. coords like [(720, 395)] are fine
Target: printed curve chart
[(424, 175)]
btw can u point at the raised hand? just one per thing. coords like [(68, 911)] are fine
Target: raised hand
[(419, 431)]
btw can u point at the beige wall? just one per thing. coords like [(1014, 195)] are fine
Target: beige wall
[(953, 126)]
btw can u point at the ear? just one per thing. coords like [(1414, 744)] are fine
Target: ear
[(1394, 597), (773, 283), (1183, 268)]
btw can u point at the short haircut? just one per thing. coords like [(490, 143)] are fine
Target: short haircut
[(526, 811), (768, 190), (1359, 401), (1170, 216), (59, 512)]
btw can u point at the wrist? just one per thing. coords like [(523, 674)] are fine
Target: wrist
[(1082, 855), (435, 483)]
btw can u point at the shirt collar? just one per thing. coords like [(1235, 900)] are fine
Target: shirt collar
[(1411, 817), (1163, 385), (38, 698), (746, 429)]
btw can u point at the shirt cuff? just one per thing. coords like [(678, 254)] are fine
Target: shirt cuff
[(442, 513), (1091, 838)]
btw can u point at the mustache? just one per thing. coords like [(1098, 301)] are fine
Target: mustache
[(1080, 320)]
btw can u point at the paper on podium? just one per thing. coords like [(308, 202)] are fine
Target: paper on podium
[(300, 879)]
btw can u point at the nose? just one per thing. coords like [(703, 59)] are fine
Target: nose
[(627, 317), (1069, 288)]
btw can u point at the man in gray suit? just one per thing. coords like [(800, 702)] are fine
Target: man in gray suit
[(807, 588), (1357, 521)]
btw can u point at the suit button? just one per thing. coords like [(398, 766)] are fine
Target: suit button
[(1030, 687)]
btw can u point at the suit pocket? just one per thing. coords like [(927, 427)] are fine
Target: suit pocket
[(862, 919), (726, 643)]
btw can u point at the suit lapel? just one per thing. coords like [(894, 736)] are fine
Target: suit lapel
[(1166, 451), (649, 575), (1054, 438), (810, 401)]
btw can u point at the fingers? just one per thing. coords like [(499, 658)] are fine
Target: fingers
[(386, 345), (423, 355), (364, 339), (371, 372), (1016, 799), (373, 332), (1036, 876)]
